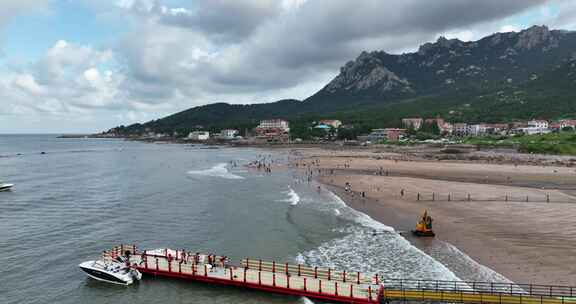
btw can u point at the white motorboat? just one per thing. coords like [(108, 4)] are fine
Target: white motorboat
[(114, 271), (5, 187)]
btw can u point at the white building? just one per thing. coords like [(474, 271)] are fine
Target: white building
[(474, 130), (567, 123), (199, 135), (415, 123), (460, 129), (541, 124), (279, 124), (228, 133), (537, 127)]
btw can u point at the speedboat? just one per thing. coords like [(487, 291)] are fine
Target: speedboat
[(114, 271), (5, 187)]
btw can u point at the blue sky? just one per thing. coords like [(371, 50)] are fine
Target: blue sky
[(88, 65)]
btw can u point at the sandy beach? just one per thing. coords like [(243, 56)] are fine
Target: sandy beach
[(515, 219)]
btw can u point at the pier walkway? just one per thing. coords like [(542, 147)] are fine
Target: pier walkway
[(331, 285)]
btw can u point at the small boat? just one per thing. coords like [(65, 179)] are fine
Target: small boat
[(114, 271), (5, 187)]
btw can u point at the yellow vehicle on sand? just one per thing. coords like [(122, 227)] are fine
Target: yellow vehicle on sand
[(424, 226)]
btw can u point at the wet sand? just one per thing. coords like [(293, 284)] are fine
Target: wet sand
[(527, 242)]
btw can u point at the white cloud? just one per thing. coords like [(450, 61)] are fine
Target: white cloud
[(172, 57)]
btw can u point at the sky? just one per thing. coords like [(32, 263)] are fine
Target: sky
[(84, 66)]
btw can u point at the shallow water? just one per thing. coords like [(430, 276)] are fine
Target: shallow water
[(85, 195)]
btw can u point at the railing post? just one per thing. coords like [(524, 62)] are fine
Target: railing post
[(418, 197), (344, 276), (369, 292), (469, 198), (358, 278), (315, 272), (320, 286), (304, 284), (274, 279), (328, 274), (288, 282), (336, 288), (299, 269), (351, 289)]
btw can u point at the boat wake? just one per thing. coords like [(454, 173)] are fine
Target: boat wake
[(220, 170)]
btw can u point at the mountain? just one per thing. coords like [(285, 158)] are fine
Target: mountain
[(503, 76), (502, 59)]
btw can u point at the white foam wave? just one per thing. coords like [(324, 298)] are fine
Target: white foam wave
[(293, 197), (365, 248), (386, 253), (359, 217), (305, 300), (299, 259), (220, 170)]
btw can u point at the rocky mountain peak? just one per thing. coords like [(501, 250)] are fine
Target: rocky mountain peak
[(536, 36), (367, 72), (442, 42)]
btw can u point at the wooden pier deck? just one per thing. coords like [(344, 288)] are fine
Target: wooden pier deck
[(331, 285)]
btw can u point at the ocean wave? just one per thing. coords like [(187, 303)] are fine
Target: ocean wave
[(219, 170), (388, 254), (293, 197), (372, 247), (359, 217), (305, 300)]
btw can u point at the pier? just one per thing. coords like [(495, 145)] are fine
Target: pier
[(332, 285)]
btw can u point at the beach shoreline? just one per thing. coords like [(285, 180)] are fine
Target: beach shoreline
[(525, 242)]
